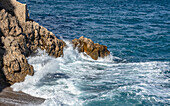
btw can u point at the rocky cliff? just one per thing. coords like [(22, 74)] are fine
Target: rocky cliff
[(20, 38)]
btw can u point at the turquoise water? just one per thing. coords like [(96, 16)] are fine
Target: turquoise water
[(136, 32)]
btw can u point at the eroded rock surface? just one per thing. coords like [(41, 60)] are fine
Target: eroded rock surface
[(94, 50), (19, 40)]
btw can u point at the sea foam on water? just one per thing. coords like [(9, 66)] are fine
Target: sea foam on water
[(76, 79)]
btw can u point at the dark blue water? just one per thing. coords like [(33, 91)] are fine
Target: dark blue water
[(137, 31)]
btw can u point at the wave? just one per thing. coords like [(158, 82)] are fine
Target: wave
[(76, 79)]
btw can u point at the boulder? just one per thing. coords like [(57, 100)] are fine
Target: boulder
[(94, 50)]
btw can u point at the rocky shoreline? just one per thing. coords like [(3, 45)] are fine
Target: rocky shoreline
[(20, 37), (8, 97)]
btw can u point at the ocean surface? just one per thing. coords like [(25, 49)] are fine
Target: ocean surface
[(137, 32)]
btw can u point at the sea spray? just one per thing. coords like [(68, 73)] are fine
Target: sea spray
[(75, 79)]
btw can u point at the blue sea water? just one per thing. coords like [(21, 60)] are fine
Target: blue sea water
[(137, 32)]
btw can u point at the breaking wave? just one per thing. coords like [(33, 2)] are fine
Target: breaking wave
[(76, 80)]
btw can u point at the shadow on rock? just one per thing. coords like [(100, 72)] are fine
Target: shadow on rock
[(8, 6), (3, 82)]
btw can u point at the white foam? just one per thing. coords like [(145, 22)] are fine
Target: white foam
[(60, 80)]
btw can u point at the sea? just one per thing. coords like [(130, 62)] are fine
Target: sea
[(136, 32)]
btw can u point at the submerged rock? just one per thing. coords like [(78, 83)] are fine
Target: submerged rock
[(94, 50)]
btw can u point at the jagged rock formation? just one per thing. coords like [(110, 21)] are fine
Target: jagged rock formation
[(94, 50), (19, 40)]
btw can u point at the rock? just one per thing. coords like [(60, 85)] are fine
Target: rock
[(19, 40), (50, 43), (8, 97), (16, 9), (94, 50), (16, 66)]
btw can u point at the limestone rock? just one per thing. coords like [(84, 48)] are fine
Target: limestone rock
[(94, 50), (50, 43), (20, 39), (16, 66)]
